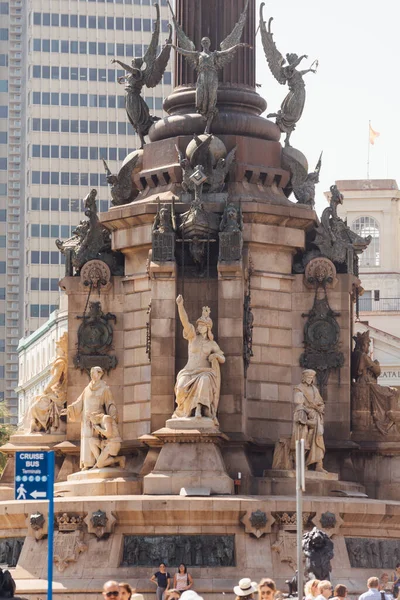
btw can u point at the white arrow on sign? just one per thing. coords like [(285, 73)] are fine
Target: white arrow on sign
[(35, 494)]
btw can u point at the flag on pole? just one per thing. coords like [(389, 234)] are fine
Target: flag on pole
[(373, 135)]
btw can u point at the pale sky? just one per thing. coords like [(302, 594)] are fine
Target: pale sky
[(358, 79)]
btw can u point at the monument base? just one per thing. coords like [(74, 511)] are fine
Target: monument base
[(108, 481), (280, 482), (198, 464)]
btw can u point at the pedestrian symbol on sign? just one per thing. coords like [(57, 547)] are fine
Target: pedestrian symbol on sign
[(21, 492)]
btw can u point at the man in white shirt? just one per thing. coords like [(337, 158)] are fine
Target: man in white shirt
[(373, 591)]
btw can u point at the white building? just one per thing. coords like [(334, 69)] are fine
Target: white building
[(35, 355)]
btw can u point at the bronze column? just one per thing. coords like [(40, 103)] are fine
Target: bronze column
[(216, 19)]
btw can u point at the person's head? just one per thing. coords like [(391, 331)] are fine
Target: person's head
[(245, 589), (182, 568), (206, 43), (340, 591), (383, 580), (311, 588), (172, 595), (325, 588), (308, 376), (266, 589), (163, 567), (125, 591), (373, 583), (204, 324), (398, 567), (111, 590), (96, 373)]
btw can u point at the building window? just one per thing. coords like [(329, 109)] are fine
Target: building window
[(368, 226)]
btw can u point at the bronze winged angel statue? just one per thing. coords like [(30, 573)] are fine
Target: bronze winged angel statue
[(136, 108), (207, 63), (293, 105)]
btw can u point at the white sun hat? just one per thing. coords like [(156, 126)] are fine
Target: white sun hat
[(245, 587)]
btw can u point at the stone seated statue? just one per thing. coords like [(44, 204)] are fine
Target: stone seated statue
[(367, 395), (198, 384), (44, 412)]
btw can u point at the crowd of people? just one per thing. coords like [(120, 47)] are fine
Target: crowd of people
[(179, 587)]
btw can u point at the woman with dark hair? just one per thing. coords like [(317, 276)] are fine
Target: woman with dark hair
[(340, 592), (125, 591), (182, 579)]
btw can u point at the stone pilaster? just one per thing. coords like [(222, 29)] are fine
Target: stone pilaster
[(230, 339), (162, 328)]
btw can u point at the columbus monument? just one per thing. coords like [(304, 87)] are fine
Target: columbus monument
[(210, 326)]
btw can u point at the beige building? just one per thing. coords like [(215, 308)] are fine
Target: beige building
[(60, 102), (372, 207), (35, 355)]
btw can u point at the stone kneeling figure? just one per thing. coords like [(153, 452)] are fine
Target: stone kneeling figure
[(308, 420), (106, 447)]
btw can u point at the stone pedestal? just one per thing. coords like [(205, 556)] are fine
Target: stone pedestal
[(99, 482), (280, 482), (189, 458)]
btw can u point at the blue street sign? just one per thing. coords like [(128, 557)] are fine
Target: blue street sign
[(31, 475), (34, 480)]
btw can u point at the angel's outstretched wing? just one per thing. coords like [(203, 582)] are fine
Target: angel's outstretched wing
[(151, 53), (160, 64), (234, 37), (183, 41), (272, 54), (224, 58)]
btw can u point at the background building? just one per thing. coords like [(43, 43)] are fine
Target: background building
[(35, 355), (61, 112), (372, 207)]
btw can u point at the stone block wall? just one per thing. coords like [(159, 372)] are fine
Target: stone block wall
[(137, 371), (232, 409), (269, 376)]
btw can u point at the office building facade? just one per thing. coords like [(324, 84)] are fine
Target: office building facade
[(61, 112)]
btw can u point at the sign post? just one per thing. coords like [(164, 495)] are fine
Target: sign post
[(34, 480), (300, 488)]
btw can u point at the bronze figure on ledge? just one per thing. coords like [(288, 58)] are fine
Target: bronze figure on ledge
[(136, 108), (293, 105), (207, 64)]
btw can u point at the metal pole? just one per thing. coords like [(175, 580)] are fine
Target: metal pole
[(50, 536), (300, 488)]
